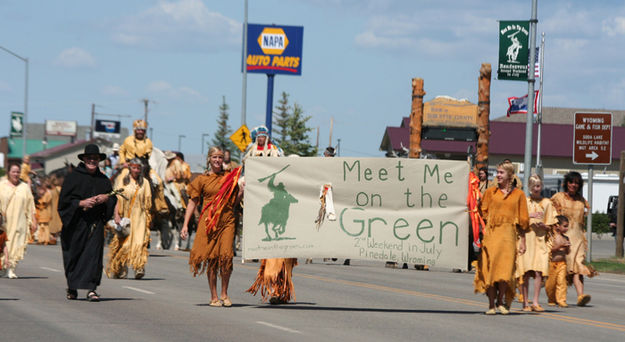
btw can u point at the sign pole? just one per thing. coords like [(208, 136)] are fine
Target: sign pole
[(620, 218), (589, 217), (527, 169), (269, 112), (244, 84)]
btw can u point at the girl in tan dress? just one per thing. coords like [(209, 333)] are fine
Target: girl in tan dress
[(212, 248), (504, 209), (535, 261), (135, 204), (572, 204)]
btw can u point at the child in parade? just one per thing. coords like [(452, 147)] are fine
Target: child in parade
[(556, 283)]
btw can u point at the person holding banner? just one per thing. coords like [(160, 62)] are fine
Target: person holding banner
[(275, 276), (212, 248), (535, 262), (572, 204), (504, 209)]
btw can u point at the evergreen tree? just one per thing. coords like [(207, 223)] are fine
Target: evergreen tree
[(223, 133), (298, 140), (280, 130)]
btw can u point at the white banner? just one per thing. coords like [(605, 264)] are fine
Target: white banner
[(385, 209)]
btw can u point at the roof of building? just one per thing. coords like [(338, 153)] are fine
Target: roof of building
[(61, 148), (32, 146)]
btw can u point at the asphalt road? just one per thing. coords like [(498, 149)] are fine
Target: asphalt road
[(361, 302)]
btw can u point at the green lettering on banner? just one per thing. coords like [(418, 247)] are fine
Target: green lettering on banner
[(442, 225), (443, 197), (382, 173), (371, 220), (420, 227), (432, 172), (346, 166), (401, 225), (408, 193), (448, 175), (362, 223), (399, 167)]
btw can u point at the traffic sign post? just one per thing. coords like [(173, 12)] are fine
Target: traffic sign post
[(592, 145)]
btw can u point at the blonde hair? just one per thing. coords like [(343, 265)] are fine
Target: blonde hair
[(211, 151), (508, 168), (535, 179)]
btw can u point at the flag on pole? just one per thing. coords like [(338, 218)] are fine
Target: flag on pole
[(518, 105)]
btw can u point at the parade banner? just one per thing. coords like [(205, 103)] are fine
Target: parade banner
[(385, 209), (513, 50)]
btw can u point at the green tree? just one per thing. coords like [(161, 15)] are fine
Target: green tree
[(280, 130), (223, 133), (298, 141)]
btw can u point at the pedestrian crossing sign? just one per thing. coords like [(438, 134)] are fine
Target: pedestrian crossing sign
[(241, 137)]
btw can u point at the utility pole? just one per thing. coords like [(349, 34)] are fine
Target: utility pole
[(180, 136), (145, 105), (416, 118), (483, 117), (331, 129), (92, 121)]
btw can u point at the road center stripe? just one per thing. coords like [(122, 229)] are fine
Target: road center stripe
[(138, 290), (278, 327), (49, 269)]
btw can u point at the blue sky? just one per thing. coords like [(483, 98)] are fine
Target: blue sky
[(359, 58)]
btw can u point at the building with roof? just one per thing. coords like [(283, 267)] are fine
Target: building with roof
[(38, 141), (507, 140)]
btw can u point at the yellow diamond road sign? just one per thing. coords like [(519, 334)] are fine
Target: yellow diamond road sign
[(241, 138), (273, 41)]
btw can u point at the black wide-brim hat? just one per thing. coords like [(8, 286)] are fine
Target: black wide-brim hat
[(92, 149)]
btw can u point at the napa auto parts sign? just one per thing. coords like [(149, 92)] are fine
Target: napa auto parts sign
[(274, 49)]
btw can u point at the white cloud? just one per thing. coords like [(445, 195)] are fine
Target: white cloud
[(164, 88), (614, 26), (182, 24), (114, 91), (75, 57)]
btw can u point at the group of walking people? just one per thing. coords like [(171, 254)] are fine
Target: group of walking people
[(522, 237), (531, 237)]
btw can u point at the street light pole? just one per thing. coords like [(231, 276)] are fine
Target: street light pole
[(25, 120), (180, 136), (204, 135)]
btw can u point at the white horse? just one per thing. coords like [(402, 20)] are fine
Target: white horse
[(169, 225)]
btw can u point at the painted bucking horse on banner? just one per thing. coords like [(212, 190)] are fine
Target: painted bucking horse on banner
[(276, 212)]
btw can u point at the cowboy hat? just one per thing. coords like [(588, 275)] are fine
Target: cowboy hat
[(92, 149)]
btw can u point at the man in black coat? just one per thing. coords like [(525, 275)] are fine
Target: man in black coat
[(85, 204)]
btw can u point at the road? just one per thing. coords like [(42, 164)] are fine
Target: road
[(361, 302)]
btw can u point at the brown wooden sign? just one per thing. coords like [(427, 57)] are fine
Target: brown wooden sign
[(592, 138)]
